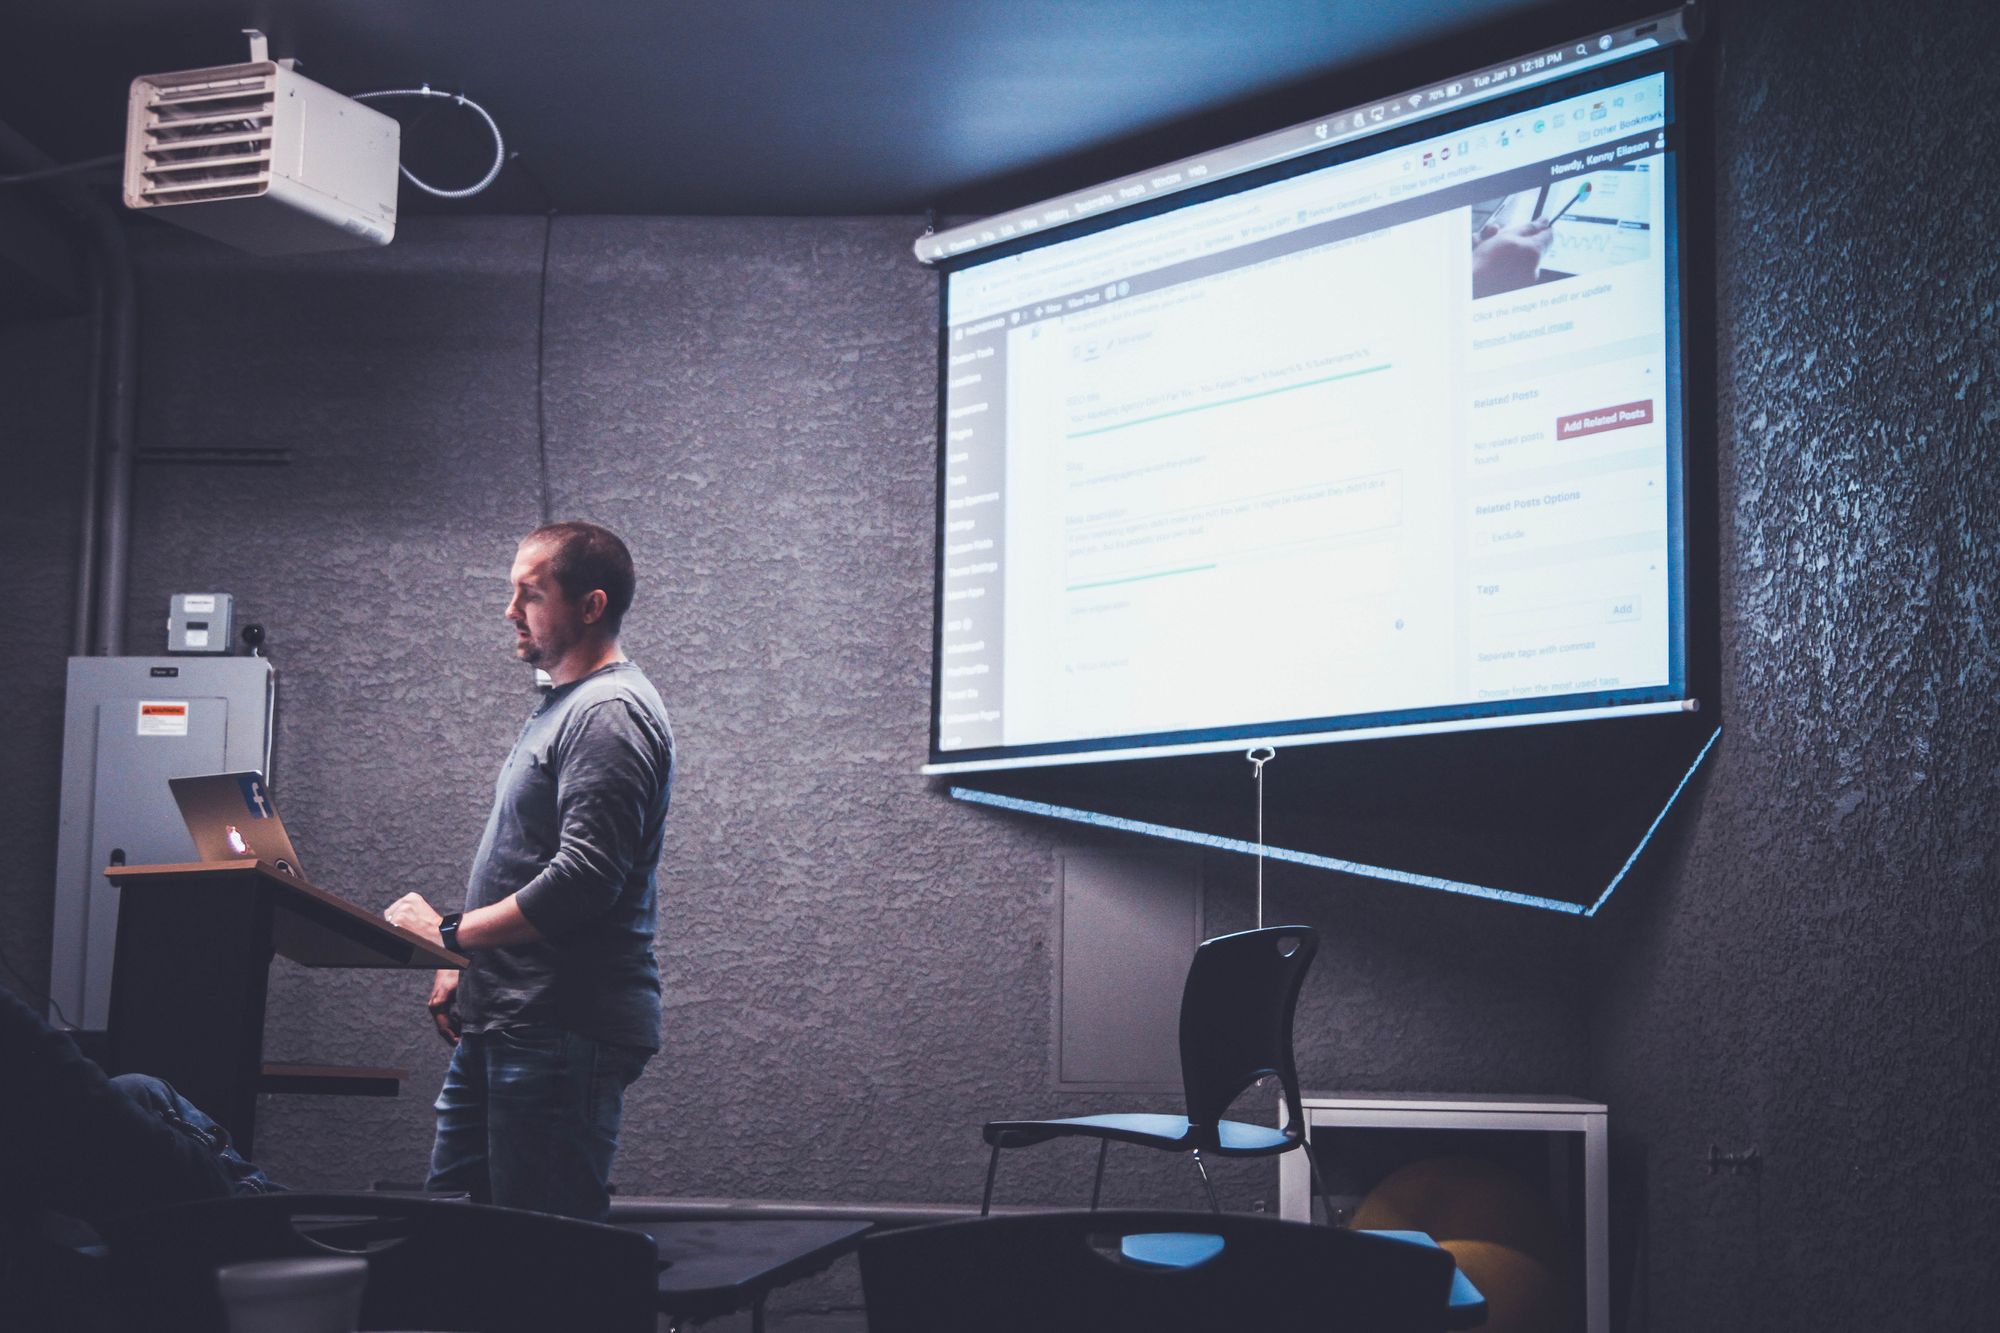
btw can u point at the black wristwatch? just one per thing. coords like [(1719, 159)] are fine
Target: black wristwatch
[(448, 931)]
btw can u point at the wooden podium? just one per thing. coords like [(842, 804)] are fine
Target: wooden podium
[(193, 962)]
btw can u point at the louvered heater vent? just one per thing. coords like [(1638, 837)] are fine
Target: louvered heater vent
[(260, 157), (205, 139)]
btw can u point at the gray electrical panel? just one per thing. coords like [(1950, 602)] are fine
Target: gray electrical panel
[(130, 724)]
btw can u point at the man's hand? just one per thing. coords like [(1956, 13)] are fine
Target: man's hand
[(415, 915), (444, 1004), (497, 926)]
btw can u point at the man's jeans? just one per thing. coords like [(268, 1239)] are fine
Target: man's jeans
[(528, 1118), (158, 1096)]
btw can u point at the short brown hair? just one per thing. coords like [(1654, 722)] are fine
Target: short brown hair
[(585, 558)]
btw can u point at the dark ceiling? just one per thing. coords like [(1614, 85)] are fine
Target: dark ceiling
[(783, 106)]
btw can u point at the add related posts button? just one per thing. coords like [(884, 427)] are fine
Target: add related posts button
[(1603, 419)]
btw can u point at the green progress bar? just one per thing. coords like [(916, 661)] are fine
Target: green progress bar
[(1230, 402), (1137, 578)]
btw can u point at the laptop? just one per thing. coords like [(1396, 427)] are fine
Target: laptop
[(232, 818)]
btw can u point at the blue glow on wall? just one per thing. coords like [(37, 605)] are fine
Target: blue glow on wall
[(1199, 839), (1651, 828)]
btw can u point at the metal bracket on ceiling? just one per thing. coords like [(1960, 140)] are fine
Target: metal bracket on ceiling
[(260, 50)]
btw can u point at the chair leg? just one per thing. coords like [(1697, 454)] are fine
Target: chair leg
[(992, 1166), (1319, 1184), (1213, 1204), (1097, 1185)]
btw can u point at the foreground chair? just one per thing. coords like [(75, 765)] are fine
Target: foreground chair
[(1057, 1272), (1236, 1028), (432, 1264)]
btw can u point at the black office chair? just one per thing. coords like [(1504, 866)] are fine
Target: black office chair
[(432, 1264), (1056, 1272), (1236, 1028)]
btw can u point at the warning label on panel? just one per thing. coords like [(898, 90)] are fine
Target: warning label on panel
[(163, 717)]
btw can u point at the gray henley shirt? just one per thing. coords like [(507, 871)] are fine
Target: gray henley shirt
[(579, 814)]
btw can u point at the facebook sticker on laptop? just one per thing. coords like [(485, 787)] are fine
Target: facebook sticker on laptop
[(254, 799)]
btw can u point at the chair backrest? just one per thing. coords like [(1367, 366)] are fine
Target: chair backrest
[(1236, 1021), (1055, 1272), (432, 1264)]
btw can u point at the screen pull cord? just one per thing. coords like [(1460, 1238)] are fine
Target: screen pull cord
[(1259, 757)]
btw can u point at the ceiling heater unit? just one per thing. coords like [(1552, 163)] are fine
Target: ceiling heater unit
[(261, 158)]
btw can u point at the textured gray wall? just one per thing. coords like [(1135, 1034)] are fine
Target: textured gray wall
[(858, 970), (1813, 973)]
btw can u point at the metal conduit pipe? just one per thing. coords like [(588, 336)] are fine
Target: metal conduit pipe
[(84, 617), (121, 412), (104, 555)]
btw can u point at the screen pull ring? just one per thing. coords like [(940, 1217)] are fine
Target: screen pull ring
[(1259, 757)]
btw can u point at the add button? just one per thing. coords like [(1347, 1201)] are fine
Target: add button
[(1603, 419)]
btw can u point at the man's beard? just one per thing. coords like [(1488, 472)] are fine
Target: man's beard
[(536, 651)]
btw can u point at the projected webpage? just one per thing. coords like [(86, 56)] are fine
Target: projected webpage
[(1382, 438)]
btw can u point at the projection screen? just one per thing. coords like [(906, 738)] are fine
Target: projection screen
[(1368, 427)]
